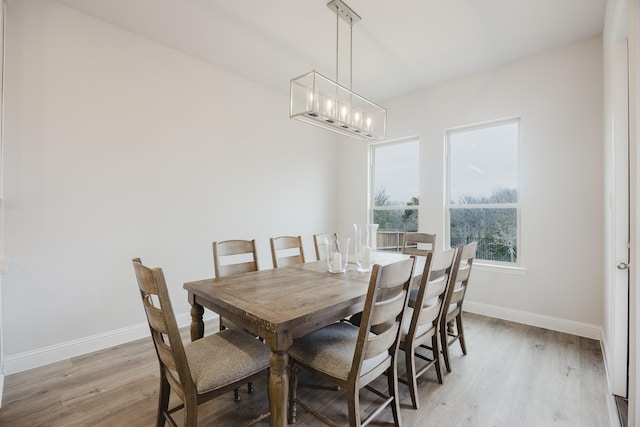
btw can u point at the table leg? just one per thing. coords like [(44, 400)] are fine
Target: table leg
[(278, 388), (197, 324)]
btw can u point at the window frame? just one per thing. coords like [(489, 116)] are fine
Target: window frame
[(372, 173), (448, 206)]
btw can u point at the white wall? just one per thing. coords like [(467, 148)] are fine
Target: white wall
[(558, 96), (117, 147)]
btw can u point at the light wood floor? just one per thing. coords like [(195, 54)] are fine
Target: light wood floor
[(514, 375)]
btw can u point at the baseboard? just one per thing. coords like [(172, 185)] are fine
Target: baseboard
[(55, 353), (66, 350), (533, 319)]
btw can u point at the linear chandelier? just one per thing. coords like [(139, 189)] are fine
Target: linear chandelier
[(320, 101)]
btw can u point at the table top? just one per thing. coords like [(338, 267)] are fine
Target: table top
[(290, 301)]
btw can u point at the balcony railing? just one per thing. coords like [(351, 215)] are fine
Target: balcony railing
[(488, 249)]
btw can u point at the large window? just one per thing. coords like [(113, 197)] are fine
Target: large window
[(482, 191), (394, 191)]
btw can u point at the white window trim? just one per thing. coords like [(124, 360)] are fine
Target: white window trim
[(371, 188), (516, 268)]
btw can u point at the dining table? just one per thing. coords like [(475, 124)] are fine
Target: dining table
[(281, 304)]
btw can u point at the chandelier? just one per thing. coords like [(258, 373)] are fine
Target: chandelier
[(320, 101)]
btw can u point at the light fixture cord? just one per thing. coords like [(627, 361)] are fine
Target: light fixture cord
[(351, 54), (337, 35)]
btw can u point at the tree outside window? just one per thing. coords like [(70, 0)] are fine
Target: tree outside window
[(394, 198), (482, 191)]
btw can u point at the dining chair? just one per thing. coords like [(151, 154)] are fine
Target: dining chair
[(319, 243), (414, 243), (351, 357), (421, 323), (453, 303), (234, 257), (286, 250), (201, 370)]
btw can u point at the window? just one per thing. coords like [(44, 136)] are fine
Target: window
[(482, 190), (394, 191)]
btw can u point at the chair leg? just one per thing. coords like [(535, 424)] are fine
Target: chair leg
[(236, 394), (163, 401), (392, 381), (353, 402), (444, 340), (461, 333), (250, 388), (190, 413), (410, 361), (435, 347), (293, 391)]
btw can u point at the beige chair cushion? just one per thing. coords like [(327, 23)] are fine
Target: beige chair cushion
[(331, 350), (225, 357)]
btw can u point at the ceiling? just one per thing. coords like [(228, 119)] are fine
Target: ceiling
[(399, 46)]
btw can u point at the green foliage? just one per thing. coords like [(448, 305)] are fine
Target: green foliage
[(495, 229), (397, 219)]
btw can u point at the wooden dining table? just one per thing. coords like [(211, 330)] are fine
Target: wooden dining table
[(281, 304)]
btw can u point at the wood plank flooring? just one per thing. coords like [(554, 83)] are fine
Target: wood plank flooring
[(514, 375)]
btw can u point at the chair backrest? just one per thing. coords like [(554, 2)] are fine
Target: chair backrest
[(292, 251), (320, 244), (460, 275), (432, 292), (243, 252), (384, 307), (414, 243), (164, 329)]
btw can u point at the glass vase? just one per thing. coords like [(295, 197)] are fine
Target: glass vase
[(365, 245), (337, 254)]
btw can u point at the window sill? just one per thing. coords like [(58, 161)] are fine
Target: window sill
[(504, 269)]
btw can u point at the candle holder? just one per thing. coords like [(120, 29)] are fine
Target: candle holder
[(337, 253), (366, 244)]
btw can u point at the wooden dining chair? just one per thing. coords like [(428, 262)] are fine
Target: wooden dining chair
[(201, 370), (352, 357), (453, 302), (286, 250), (319, 243), (418, 243), (421, 325), (234, 257)]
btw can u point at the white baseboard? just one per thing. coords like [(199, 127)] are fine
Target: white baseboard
[(66, 350), (539, 320)]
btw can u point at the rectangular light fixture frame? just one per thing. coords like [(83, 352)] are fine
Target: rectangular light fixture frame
[(318, 100)]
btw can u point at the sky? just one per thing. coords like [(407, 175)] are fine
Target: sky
[(481, 160), (396, 170)]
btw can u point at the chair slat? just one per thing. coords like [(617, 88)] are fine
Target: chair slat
[(418, 239), (165, 353), (377, 343), (156, 318), (387, 310), (235, 247), (286, 243), (242, 267)]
